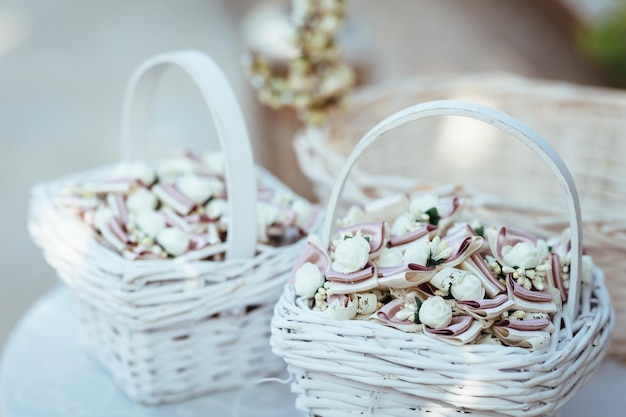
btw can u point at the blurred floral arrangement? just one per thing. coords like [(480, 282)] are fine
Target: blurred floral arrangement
[(316, 78)]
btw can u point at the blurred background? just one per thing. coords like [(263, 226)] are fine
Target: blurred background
[(64, 67)]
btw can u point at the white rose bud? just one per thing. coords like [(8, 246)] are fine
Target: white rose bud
[(150, 222), (174, 241), (351, 255), (587, 269), (403, 225), (198, 189), (214, 162), (435, 313), (422, 204), (308, 279), (524, 255), (342, 307), (140, 171), (267, 214), (389, 257), (216, 208), (467, 287), (417, 253), (141, 199), (102, 217)]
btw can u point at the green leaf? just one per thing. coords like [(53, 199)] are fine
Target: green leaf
[(433, 215), (480, 231), (416, 319), (367, 238)]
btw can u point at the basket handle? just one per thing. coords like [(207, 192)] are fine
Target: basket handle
[(231, 130), (492, 117)]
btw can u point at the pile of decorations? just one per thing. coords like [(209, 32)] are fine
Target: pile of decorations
[(178, 206), (417, 264)]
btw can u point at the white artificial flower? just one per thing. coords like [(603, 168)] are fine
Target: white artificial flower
[(216, 208), (214, 161), (351, 254), (308, 279), (141, 199), (102, 217), (435, 313), (403, 225), (525, 255), (141, 171), (199, 189), (150, 222), (174, 241), (467, 287), (417, 253), (342, 307), (389, 257), (421, 204), (267, 214)]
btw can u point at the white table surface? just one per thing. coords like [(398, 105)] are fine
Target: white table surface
[(45, 372)]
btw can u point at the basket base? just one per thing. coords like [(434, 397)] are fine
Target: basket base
[(181, 362)]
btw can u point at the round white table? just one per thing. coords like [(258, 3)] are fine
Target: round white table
[(46, 373)]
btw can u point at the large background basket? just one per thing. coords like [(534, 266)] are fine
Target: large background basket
[(586, 126), (357, 367), (171, 329)]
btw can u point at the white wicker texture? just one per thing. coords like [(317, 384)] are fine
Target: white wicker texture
[(356, 367), (171, 329), (585, 125)]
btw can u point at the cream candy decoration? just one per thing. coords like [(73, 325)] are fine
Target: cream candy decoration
[(141, 171), (525, 255), (199, 189), (102, 217), (216, 208), (174, 241), (308, 279), (389, 257), (417, 253), (367, 303), (214, 162), (467, 287), (435, 313), (351, 255), (343, 307), (150, 222), (141, 199)]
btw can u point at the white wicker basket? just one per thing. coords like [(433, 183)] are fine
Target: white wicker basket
[(357, 367), (171, 329), (585, 124)]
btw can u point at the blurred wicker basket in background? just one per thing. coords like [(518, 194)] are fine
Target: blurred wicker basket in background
[(586, 125)]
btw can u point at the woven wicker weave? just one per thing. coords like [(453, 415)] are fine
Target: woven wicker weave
[(356, 367), (171, 329), (586, 125)]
